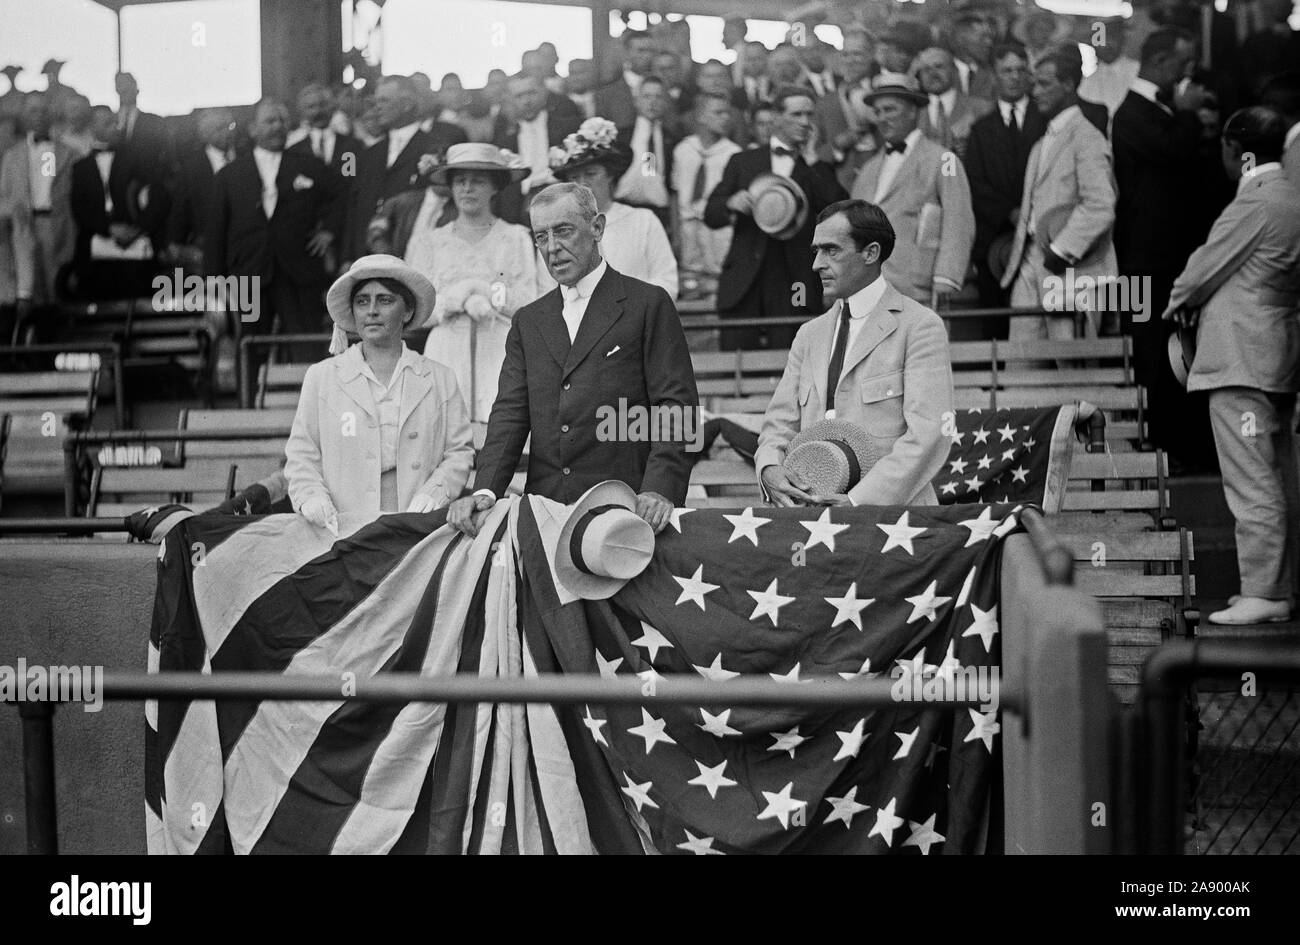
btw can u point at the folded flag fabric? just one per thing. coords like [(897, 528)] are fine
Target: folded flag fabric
[(796, 595)]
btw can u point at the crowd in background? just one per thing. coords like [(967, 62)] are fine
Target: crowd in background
[(934, 117)]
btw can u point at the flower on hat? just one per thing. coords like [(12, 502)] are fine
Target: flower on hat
[(425, 166), (592, 134), (513, 160)]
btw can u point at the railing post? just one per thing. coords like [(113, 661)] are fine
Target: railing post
[(243, 368), (38, 777), (70, 475)]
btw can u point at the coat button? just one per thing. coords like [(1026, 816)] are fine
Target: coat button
[(890, 392), (564, 428), (412, 435), (566, 470), (415, 465), (566, 386)]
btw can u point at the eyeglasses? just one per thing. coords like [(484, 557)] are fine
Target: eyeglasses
[(562, 233)]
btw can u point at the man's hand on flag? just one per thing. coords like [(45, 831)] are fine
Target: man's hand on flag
[(785, 489), (837, 498), (465, 514), (654, 509)]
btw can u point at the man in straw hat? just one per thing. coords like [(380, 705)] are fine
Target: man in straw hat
[(599, 342), (876, 361)]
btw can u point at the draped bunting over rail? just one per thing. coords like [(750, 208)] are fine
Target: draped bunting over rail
[(798, 595)]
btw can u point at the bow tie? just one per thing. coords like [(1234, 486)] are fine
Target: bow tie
[(45, 140), (895, 148), (783, 152)]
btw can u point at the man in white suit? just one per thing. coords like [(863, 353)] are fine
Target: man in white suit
[(1066, 212), (875, 359), (922, 188), (1245, 282)]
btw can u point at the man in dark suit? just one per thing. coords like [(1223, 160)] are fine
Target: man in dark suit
[(341, 153), (533, 121), (390, 166), (599, 340), (615, 100), (195, 182), (1155, 137), (651, 139), (274, 216), (996, 155), (142, 136), (116, 200), (763, 277)]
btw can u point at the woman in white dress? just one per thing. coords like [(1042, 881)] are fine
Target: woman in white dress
[(634, 243), (484, 270)]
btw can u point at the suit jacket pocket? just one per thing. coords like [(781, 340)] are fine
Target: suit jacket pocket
[(882, 405)]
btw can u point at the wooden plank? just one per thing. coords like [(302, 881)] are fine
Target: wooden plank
[(1065, 377), (120, 480), (1126, 546), (1111, 499), (59, 406), (285, 375), (1127, 675), (971, 352), (769, 360), (1074, 348), (279, 419), (1147, 635), (1146, 465), (1110, 582), (46, 383), (1106, 398)]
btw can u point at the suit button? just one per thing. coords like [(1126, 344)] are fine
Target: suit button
[(564, 428), (566, 470), (890, 392), (415, 465), (412, 435), (566, 386)]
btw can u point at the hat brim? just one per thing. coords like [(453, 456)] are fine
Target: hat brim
[(338, 300), (916, 98), (617, 162), (1181, 348), (577, 581), (442, 175), (863, 445), (799, 214), (1061, 31)]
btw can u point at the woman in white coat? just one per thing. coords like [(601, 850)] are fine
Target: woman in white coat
[(379, 428)]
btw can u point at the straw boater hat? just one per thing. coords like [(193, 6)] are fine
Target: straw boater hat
[(604, 543), (595, 142), (1181, 346), (478, 156), (338, 300), (898, 85), (780, 206), (832, 456)]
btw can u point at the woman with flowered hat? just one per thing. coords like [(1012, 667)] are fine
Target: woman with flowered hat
[(634, 243), (483, 268)]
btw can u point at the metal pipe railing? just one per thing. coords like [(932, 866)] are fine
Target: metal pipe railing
[(73, 525), (1057, 560), (111, 348), (1165, 677)]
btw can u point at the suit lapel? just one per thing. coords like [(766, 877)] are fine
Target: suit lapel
[(417, 383), (551, 325), (604, 308), (823, 341), (354, 383), (881, 323)]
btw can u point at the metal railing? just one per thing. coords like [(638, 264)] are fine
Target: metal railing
[(1166, 776), (110, 352)]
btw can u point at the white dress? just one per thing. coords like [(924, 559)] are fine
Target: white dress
[(492, 278), (636, 245)]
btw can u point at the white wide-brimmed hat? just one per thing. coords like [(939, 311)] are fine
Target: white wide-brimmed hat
[(338, 300), (478, 156), (832, 456), (780, 205), (604, 543), (898, 85)]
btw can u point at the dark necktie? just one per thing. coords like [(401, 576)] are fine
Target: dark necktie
[(837, 359), (1011, 121), (898, 148), (697, 188)]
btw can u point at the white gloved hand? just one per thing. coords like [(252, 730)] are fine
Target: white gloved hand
[(422, 502), (320, 511)]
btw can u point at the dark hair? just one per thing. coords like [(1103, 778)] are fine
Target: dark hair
[(1258, 130), (1282, 92), (867, 224), (394, 286), (763, 105), (1163, 42), (787, 92), (1069, 68), (501, 178), (1009, 49)]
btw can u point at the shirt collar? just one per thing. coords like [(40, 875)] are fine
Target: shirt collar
[(264, 156), (1148, 90), (1256, 171), (1062, 119), (948, 99), (1292, 133), (1018, 106), (909, 142), (404, 133), (407, 361), (863, 301), (586, 285)]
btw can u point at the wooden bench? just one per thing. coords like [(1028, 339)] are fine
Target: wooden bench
[(257, 458), (1145, 584), (278, 385), (43, 407), (1118, 490), (116, 492)]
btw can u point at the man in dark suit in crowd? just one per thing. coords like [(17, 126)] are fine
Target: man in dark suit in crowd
[(651, 139), (597, 340), (339, 152), (532, 122), (1154, 137), (615, 100), (195, 182), (764, 277), (274, 216), (390, 166), (142, 136), (996, 155), (115, 199)]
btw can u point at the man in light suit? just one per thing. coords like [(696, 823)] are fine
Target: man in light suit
[(876, 359), (1066, 212), (598, 339), (1245, 282), (922, 188), (1282, 92), (35, 199), (950, 113)]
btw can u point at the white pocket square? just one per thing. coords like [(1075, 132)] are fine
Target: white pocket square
[(303, 182), (613, 350)]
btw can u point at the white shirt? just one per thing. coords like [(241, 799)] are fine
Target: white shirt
[(861, 304), (322, 143), (689, 158), (1110, 82), (633, 80), (1256, 171), (644, 182), (1020, 105), (782, 164), (126, 120), (388, 405), (398, 139), (577, 296), (636, 245), (268, 168), (1292, 133), (892, 162), (946, 101), (216, 158), (104, 162), (41, 171), (964, 69), (534, 143), (586, 102), (1148, 90)]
